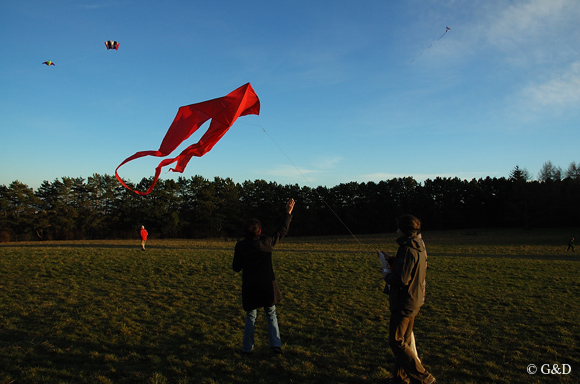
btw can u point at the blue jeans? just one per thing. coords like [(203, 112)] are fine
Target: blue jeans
[(273, 331)]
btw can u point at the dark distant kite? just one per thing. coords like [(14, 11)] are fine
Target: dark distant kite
[(112, 45), (49, 63), (222, 111), (447, 29)]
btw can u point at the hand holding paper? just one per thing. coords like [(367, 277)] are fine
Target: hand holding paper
[(384, 263)]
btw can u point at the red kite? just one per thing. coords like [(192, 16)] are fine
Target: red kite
[(223, 111)]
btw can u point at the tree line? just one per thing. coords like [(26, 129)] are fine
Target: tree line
[(196, 207)]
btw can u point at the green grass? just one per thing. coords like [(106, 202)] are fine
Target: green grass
[(105, 312)]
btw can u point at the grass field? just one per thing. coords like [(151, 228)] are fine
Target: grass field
[(106, 312)]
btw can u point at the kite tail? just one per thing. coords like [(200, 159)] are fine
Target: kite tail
[(181, 160), (136, 156)]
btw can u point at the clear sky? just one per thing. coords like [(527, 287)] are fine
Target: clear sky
[(349, 90)]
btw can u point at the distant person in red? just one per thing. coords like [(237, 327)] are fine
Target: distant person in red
[(143, 237)]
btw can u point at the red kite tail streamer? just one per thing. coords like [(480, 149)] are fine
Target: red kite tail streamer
[(222, 111)]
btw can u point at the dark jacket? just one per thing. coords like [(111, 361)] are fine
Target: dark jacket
[(253, 256), (408, 279)]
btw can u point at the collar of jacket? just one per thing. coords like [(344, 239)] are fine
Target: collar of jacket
[(410, 241)]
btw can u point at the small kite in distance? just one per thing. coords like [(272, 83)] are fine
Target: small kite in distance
[(112, 45), (447, 29), (48, 63), (222, 111)]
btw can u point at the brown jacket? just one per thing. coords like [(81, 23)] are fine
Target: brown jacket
[(408, 279)]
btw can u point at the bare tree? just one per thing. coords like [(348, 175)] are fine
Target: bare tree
[(549, 172), (573, 171)]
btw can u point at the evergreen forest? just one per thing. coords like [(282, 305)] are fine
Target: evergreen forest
[(100, 208)]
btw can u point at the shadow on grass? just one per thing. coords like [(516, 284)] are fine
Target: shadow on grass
[(550, 257), (45, 358), (113, 245), (41, 244), (188, 359)]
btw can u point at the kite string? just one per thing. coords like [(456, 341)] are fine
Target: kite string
[(317, 193), (447, 29)]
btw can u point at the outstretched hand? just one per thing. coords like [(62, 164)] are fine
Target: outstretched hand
[(290, 206)]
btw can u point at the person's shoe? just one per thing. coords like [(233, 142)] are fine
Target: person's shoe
[(432, 380), (277, 350), (392, 380)]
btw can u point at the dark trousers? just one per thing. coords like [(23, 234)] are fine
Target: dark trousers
[(407, 366)]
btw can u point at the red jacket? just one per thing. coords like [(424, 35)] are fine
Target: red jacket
[(144, 234)]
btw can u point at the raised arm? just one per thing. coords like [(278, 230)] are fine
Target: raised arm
[(290, 206)]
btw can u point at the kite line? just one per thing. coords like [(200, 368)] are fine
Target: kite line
[(318, 194), (447, 29)]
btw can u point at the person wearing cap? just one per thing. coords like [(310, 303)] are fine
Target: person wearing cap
[(407, 281)]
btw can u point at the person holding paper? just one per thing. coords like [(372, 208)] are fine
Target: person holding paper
[(407, 280), (387, 266)]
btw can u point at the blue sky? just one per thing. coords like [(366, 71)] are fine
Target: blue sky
[(341, 97)]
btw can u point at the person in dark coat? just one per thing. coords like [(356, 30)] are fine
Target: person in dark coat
[(253, 256), (570, 245), (407, 282)]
